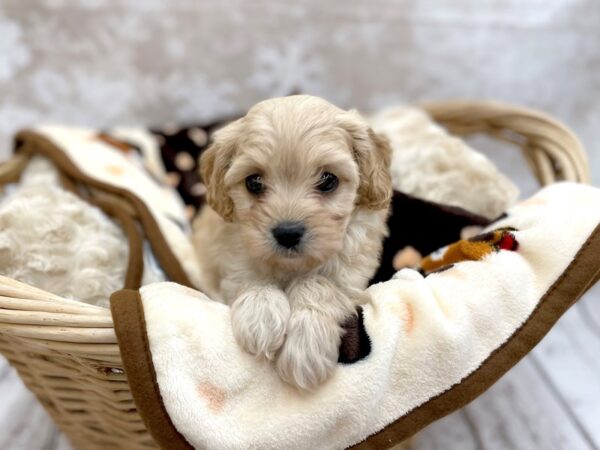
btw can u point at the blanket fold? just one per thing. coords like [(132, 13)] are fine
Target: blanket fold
[(436, 340)]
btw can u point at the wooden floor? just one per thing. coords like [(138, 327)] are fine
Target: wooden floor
[(549, 401)]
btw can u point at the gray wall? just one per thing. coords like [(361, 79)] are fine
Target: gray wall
[(103, 62)]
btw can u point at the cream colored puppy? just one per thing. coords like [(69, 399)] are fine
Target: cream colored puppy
[(298, 195)]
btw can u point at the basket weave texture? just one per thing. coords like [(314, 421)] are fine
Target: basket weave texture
[(66, 352)]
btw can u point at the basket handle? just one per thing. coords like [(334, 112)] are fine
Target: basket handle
[(551, 149)]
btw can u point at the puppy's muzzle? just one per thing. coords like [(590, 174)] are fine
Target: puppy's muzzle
[(289, 234)]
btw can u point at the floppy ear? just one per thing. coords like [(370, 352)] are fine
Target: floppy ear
[(372, 153), (214, 163)]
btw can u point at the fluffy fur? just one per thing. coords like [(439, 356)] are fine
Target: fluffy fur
[(287, 305), (430, 164), (53, 240)]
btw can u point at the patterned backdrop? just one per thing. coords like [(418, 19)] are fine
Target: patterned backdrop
[(107, 62)]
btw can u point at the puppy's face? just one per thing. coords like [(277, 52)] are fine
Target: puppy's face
[(290, 174)]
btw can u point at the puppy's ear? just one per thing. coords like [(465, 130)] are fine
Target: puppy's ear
[(214, 163), (372, 153)]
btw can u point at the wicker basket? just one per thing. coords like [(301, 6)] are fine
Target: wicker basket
[(66, 352)]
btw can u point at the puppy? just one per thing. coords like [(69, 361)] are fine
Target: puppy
[(298, 193)]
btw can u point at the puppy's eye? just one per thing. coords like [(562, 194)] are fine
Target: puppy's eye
[(254, 184), (328, 182)]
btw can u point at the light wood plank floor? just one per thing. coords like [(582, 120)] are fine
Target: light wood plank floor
[(549, 401)]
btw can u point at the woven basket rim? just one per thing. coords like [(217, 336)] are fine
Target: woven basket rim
[(76, 333)]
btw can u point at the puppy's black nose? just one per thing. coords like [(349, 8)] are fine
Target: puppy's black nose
[(288, 234)]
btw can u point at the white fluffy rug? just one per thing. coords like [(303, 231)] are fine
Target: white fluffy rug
[(52, 239)]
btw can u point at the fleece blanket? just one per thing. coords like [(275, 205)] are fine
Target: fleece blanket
[(429, 341)]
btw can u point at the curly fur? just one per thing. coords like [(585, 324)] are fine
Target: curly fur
[(53, 240)]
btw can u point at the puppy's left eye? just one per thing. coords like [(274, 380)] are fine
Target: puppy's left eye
[(328, 182), (254, 184)]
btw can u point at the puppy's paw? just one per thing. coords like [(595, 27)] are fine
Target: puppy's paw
[(310, 352), (259, 320)]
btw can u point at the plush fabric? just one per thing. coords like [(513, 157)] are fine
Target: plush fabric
[(416, 223), (180, 149), (435, 342), (429, 164), (105, 167), (471, 249), (52, 239)]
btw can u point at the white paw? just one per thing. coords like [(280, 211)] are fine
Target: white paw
[(259, 320), (310, 352)]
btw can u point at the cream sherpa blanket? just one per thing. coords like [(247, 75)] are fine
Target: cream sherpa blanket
[(435, 342)]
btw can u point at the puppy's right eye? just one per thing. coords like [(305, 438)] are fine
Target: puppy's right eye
[(254, 184)]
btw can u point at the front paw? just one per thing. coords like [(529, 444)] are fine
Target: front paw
[(310, 352), (259, 320)]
